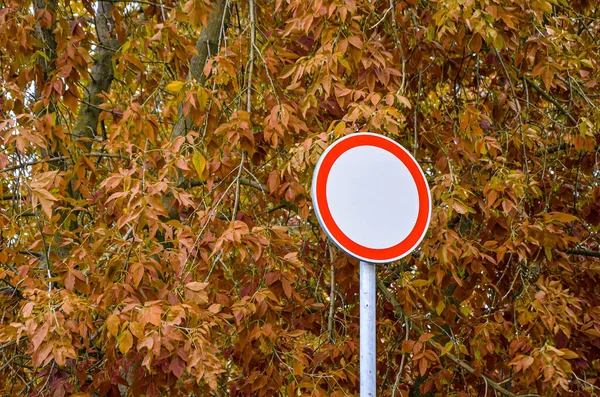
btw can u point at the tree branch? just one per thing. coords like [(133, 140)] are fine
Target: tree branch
[(158, 5), (553, 149), (31, 163), (594, 254), (243, 181), (248, 103), (49, 49), (207, 45), (7, 197), (398, 308), (550, 99), (60, 158)]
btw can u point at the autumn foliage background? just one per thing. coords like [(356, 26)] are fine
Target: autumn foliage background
[(156, 229)]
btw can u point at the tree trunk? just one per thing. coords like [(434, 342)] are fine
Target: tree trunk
[(101, 76)]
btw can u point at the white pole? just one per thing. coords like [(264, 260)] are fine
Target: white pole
[(368, 349)]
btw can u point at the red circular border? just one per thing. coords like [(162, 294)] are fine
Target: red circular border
[(322, 174)]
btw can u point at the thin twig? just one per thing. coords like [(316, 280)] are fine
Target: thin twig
[(331, 298), (399, 45), (248, 104), (398, 308), (403, 360), (141, 2), (519, 115), (415, 126), (382, 18), (237, 185), (46, 247)]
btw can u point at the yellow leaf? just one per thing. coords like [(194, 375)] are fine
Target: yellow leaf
[(202, 98), (339, 129), (199, 163), (548, 252), (564, 217), (175, 86), (125, 341), (112, 324), (447, 348), (344, 63), (136, 329), (499, 42), (440, 307), (298, 368), (568, 354), (544, 6), (420, 283)]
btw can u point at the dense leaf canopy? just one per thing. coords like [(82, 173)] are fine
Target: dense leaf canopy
[(156, 229)]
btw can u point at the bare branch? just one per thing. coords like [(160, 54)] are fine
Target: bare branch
[(152, 4), (31, 163), (60, 158), (243, 181), (593, 254)]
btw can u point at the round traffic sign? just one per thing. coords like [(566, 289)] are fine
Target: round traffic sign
[(371, 197)]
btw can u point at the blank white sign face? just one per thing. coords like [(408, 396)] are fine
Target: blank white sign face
[(371, 197)]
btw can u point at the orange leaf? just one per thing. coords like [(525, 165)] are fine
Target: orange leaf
[(356, 42), (196, 286), (46, 200)]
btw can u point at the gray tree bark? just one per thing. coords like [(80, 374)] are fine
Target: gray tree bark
[(47, 37), (101, 76), (207, 46)]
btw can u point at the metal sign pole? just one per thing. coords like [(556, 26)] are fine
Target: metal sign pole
[(374, 227), (368, 343)]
